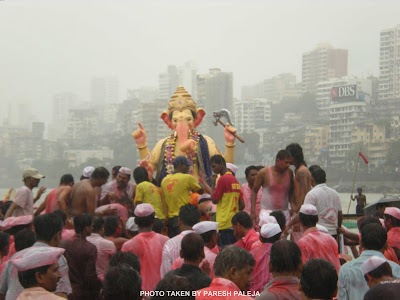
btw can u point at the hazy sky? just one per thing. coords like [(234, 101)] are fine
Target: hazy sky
[(53, 46)]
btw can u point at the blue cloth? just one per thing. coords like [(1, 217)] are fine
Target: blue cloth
[(227, 237), (351, 284)]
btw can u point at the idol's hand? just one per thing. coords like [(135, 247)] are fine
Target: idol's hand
[(140, 136), (228, 134)]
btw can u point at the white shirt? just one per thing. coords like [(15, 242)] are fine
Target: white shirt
[(327, 202), (171, 252), (24, 201)]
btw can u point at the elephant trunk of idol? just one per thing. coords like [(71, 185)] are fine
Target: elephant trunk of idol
[(182, 130)]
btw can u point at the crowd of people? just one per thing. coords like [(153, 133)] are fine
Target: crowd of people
[(278, 236)]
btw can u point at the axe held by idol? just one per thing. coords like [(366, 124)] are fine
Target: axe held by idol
[(224, 113)]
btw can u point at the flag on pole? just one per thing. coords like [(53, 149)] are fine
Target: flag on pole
[(363, 157)]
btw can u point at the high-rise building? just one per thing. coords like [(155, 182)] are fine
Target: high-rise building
[(251, 115), (62, 103), (282, 86), (321, 64), (187, 77), (168, 82), (104, 90), (389, 64), (214, 92)]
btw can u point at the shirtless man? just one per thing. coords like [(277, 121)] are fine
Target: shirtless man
[(361, 201), (83, 195), (277, 186), (302, 185)]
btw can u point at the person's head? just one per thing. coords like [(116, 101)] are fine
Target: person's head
[(362, 221), (188, 216), (123, 177), (67, 179), (83, 224), (98, 225), (38, 267), (218, 164), (280, 218), (318, 280), (4, 244), (24, 239), (173, 283), (100, 176), (131, 228), (270, 233), (128, 258), (31, 177), (296, 152), (359, 190), (373, 237), (392, 217), (283, 161), (241, 223), (114, 172), (48, 229), (140, 174), (251, 174), (192, 248), (158, 226), (112, 226), (127, 203), (208, 231), (61, 214), (144, 216), (375, 270), (235, 264), (308, 215), (318, 175), (121, 282), (181, 164), (285, 259)]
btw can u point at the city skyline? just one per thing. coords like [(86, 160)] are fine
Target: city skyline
[(40, 60)]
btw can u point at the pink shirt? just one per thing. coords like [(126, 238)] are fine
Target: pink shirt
[(105, 250), (24, 201), (220, 285), (393, 237), (209, 256), (249, 239), (51, 201), (148, 246), (247, 199), (316, 244), (261, 274), (122, 212), (35, 293), (67, 233), (129, 191), (170, 252)]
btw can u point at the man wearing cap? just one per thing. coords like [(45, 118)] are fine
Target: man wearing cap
[(314, 243), (209, 233), (232, 168), (120, 187), (105, 248), (131, 228), (147, 245), (87, 173), (228, 195), (244, 232), (392, 225), (38, 272), (269, 234), (23, 202), (285, 265), (378, 274), (373, 239), (176, 189)]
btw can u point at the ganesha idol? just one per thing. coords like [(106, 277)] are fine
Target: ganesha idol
[(182, 118)]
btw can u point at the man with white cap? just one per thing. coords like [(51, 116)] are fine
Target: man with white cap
[(87, 172), (269, 234), (23, 202), (147, 245), (374, 240), (392, 225), (120, 187), (208, 231), (378, 274), (232, 168), (38, 272), (131, 228), (314, 243)]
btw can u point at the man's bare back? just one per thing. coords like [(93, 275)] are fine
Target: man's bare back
[(302, 185), (82, 198)]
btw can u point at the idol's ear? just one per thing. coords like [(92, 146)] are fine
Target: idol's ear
[(199, 117), (165, 117)]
